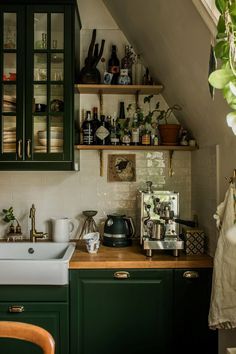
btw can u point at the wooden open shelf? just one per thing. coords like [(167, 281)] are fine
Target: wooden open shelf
[(119, 89), (137, 148)]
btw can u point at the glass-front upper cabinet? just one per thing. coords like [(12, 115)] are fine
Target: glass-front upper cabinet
[(37, 85), (8, 83)]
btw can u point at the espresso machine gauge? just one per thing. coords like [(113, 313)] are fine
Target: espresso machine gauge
[(158, 211)]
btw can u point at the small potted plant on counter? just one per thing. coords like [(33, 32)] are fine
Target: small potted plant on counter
[(8, 216), (169, 132)]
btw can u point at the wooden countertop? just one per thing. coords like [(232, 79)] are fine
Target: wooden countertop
[(134, 257)]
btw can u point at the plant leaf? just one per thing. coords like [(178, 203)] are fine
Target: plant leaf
[(222, 50), (221, 5), (220, 78), (221, 29)]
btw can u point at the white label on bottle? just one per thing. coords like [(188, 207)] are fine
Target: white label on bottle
[(87, 136), (135, 135), (102, 132)]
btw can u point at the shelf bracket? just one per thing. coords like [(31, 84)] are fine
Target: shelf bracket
[(171, 172), (101, 162)]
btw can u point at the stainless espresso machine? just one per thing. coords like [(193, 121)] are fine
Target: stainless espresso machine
[(159, 228)]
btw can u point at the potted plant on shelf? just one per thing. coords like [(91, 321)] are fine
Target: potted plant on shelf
[(169, 132)]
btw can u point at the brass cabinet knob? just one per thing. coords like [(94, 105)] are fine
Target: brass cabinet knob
[(122, 275), (16, 308), (191, 274)]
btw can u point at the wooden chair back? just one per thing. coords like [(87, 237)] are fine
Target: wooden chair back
[(29, 333)]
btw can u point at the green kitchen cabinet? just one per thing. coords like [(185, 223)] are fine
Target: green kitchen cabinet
[(121, 311), (151, 311), (38, 45), (45, 306), (192, 290)]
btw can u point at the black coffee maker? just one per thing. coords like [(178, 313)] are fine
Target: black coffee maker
[(118, 231)]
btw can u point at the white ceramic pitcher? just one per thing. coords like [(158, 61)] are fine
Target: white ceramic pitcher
[(62, 229)]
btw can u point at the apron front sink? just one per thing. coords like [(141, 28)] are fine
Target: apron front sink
[(42, 263)]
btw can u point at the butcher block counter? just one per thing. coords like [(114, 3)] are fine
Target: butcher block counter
[(134, 257)]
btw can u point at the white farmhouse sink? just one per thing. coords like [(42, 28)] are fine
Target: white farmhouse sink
[(42, 263)]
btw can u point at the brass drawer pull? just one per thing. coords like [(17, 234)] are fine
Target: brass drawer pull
[(16, 308), (121, 275), (19, 149), (28, 148), (191, 274)]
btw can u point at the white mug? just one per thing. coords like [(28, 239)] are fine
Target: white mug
[(62, 229)]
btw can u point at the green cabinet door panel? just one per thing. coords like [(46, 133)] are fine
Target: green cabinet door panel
[(191, 307), (51, 316), (110, 315), (35, 132)]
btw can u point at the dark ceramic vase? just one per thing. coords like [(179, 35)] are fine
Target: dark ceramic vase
[(89, 76)]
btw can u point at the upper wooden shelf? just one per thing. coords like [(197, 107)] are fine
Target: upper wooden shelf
[(119, 89), (132, 147)]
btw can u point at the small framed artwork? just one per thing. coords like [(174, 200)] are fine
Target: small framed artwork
[(121, 168)]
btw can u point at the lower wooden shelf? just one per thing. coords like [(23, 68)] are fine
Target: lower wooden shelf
[(139, 147)]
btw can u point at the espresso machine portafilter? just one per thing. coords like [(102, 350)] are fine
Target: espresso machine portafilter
[(159, 220)]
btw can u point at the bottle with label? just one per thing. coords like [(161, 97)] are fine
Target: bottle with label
[(88, 129), (121, 121), (127, 62), (96, 124), (138, 71), (146, 136), (114, 137), (135, 132), (102, 133), (114, 66)]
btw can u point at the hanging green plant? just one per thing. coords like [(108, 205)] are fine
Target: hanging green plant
[(224, 78)]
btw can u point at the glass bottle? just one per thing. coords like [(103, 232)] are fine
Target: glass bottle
[(146, 136), (96, 124), (121, 121), (102, 133), (114, 65), (135, 133), (127, 62), (138, 71), (114, 138), (88, 129)]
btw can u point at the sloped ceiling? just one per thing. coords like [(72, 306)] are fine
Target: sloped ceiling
[(174, 43)]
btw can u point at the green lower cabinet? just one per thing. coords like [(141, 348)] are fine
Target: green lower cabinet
[(51, 315), (192, 290), (114, 314)]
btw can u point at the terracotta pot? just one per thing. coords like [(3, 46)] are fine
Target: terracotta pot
[(169, 134)]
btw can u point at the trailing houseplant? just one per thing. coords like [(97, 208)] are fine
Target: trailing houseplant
[(168, 132), (224, 78)]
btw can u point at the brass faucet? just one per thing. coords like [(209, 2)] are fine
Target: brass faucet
[(33, 233)]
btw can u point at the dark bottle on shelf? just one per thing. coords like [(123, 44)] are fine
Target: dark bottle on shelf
[(127, 62), (114, 66), (88, 129), (121, 121), (96, 124), (114, 136), (102, 133)]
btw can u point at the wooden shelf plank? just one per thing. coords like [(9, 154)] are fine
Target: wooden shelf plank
[(119, 89), (137, 148)]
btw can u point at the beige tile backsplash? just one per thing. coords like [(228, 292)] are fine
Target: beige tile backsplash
[(69, 193)]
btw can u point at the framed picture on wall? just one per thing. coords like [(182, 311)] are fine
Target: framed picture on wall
[(121, 168)]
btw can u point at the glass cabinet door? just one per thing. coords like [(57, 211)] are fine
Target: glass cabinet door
[(8, 123), (48, 86)]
